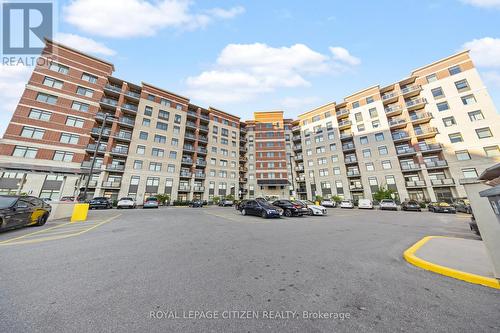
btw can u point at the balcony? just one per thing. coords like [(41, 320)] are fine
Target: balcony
[(397, 123), (423, 133), (345, 124), (430, 148), (301, 179), (393, 110), (109, 103), (203, 128), (299, 168), (243, 179), (411, 90), (243, 149), (189, 136), (202, 150), (205, 117), (297, 147), (416, 103), (437, 164), (295, 128), (202, 138), (112, 88), (192, 114), (301, 190), (390, 97), (109, 184), (299, 157), (199, 175), (188, 148), (420, 118), (133, 94), (400, 136), (199, 189), (129, 107), (343, 113), (446, 182), (191, 125), (296, 138), (243, 159), (91, 148), (410, 167), (348, 147), (353, 173), (101, 115), (125, 136), (243, 169), (88, 164), (356, 188), (126, 121), (405, 151), (186, 174), (350, 160), (184, 188), (346, 136), (92, 183), (187, 161), (119, 151), (105, 133), (115, 167), (415, 184), (201, 163)]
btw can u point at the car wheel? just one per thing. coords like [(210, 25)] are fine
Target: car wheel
[(243, 212), (288, 212), (311, 211), (42, 220), (264, 214)]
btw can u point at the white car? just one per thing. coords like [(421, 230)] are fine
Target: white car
[(328, 203), (126, 203), (388, 204), (313, 208), (346, 204), (365, 204)]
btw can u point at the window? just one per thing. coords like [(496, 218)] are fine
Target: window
[(50, 82), (172, 154), (163, 114), (89, 78), (315, 118), (492, 151), (59, 68), (437, 92), (449, 121), (462, 85), (454, 70), (151, 97), (69, 138), (32, 132), (323, 172), (146, 122), (367, 153), (335, 158), (431, 78), (370, 166), (157, 152), (177, 119), (376, 123), (160, 138), (363, 140), (74, 121), (476, 115), (175, 142), (165, 102), (469, 173), (336, 171), (331, 135), (148, 111), (154, 166), (161, 126), (455, 137), (386, 164), (462, 155), (382, 150), (484, 133), (373, 112), (171, 168), (361, 127), (84, 92), (379, 137), (369, 100), (140, 150), (46, 98), (178, 107), (26, 152), (468, 100), (177, 130), (137, 164), (79, 106), (63, 156), (358, 116), (39, 114), (143, 135), (443, 106), (355, 105)]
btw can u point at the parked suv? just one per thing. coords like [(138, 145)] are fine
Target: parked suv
[(291, 208)]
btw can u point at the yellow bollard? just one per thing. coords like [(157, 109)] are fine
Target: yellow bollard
[(80, 212), (317, 203)]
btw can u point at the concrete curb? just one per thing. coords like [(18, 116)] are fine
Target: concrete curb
[(410, 257)]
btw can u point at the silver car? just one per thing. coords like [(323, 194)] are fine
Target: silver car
[(151, 202), (388, 204)]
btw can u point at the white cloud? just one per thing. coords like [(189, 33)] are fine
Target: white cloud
[(484, 51), (83, 44), (492, 78), (243, 71), (291, 103), (12, 83), (483, 3), (132, 18), (343, 56)]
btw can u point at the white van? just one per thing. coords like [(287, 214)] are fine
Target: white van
[(365, 204)]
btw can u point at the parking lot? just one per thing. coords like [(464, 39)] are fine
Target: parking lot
[(121, 268)]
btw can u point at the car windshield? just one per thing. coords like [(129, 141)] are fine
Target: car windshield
[(309, 202), (444, 204), (151, 199), (346, 201), (412, 202), (130, 199), (6, 202), (387, 201)]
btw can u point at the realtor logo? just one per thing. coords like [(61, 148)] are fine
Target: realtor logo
[(25, 25)]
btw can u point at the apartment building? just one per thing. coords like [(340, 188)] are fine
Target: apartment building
[(418, 136)]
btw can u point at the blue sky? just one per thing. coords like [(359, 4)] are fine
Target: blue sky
[(244, 56)]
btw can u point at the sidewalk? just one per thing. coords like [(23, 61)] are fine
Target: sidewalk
[(459, 258)]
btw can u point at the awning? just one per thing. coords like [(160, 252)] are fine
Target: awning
[(273, 182), (43, 169)]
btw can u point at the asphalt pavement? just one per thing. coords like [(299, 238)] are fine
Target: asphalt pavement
[(213, 270)]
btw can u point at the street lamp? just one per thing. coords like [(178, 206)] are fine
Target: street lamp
[(101, 130)]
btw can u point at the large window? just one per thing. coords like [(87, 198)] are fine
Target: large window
[(492, 151), (74, 121), (468, 100), (51, 82), (80, 106), (82, 91), (26, 152), (484, 133), (469, 173), (462, 155), (32, 132), (462, 85), (476, 115), (54, 66), (437, 92), (46, 98), (39, 114), (89, 78), (69, 138), (442, 106), (454, 70), (63, 156), (449, 121), (455, 137)]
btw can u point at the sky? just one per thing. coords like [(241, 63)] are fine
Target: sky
[(245, 56)]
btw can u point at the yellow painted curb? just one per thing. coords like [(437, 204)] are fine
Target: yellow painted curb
[(410, 256)]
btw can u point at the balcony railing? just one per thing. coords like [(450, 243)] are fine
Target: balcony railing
[(297, 147), (188, 148), (345, 123), (123, 135), (299, 168), (405, 150), (127, 121), (192, 114), (351, 159), (301, 179), (356, 187), (187, 160), (97, 130), (203, 128), (348, 146), (400, 135), (410, 167), (199, 175), (353, 173), (199, 189), (133, 94), (425, 131), (202, 138), (118, 150), (443, 182), (420, 116), (299, 157), (184, 188), (390, 95), (115, 167), (109, 184), (436, 164), (346, 136), (87, 165), (296, 138), (109, 101), (415, 102), (190, 135), (202, 150), (186, 174), (415, 183), (130, 107), (430, 147), (393, 108), (113, 87), (92, 146), (395, 122), (301, 190), (342, 112), (411, 88), (201, 162)]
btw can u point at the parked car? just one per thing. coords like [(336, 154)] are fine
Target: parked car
[(151, 202), (388, 204), (239, 205), (291, 208), (328, 203), (225, 202), (365, 204), (313, 208), (346, 204), (18, 211), (126, 203), (259, 208), (463, 206), (196, 203), (441, 207), (411, 205), (100, 202), (68, 199), (473, 225)]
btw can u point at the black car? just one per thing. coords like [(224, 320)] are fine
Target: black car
[(259, 208), (196, 203), (239, 204), (291, 208), (441, 207), (411, 205), (19, 211), (100, 202), (463, 206)]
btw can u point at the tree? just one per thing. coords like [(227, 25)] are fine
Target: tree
[(162, 198), (230, 197), (216, 200), (336, 198), (383, 193)]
